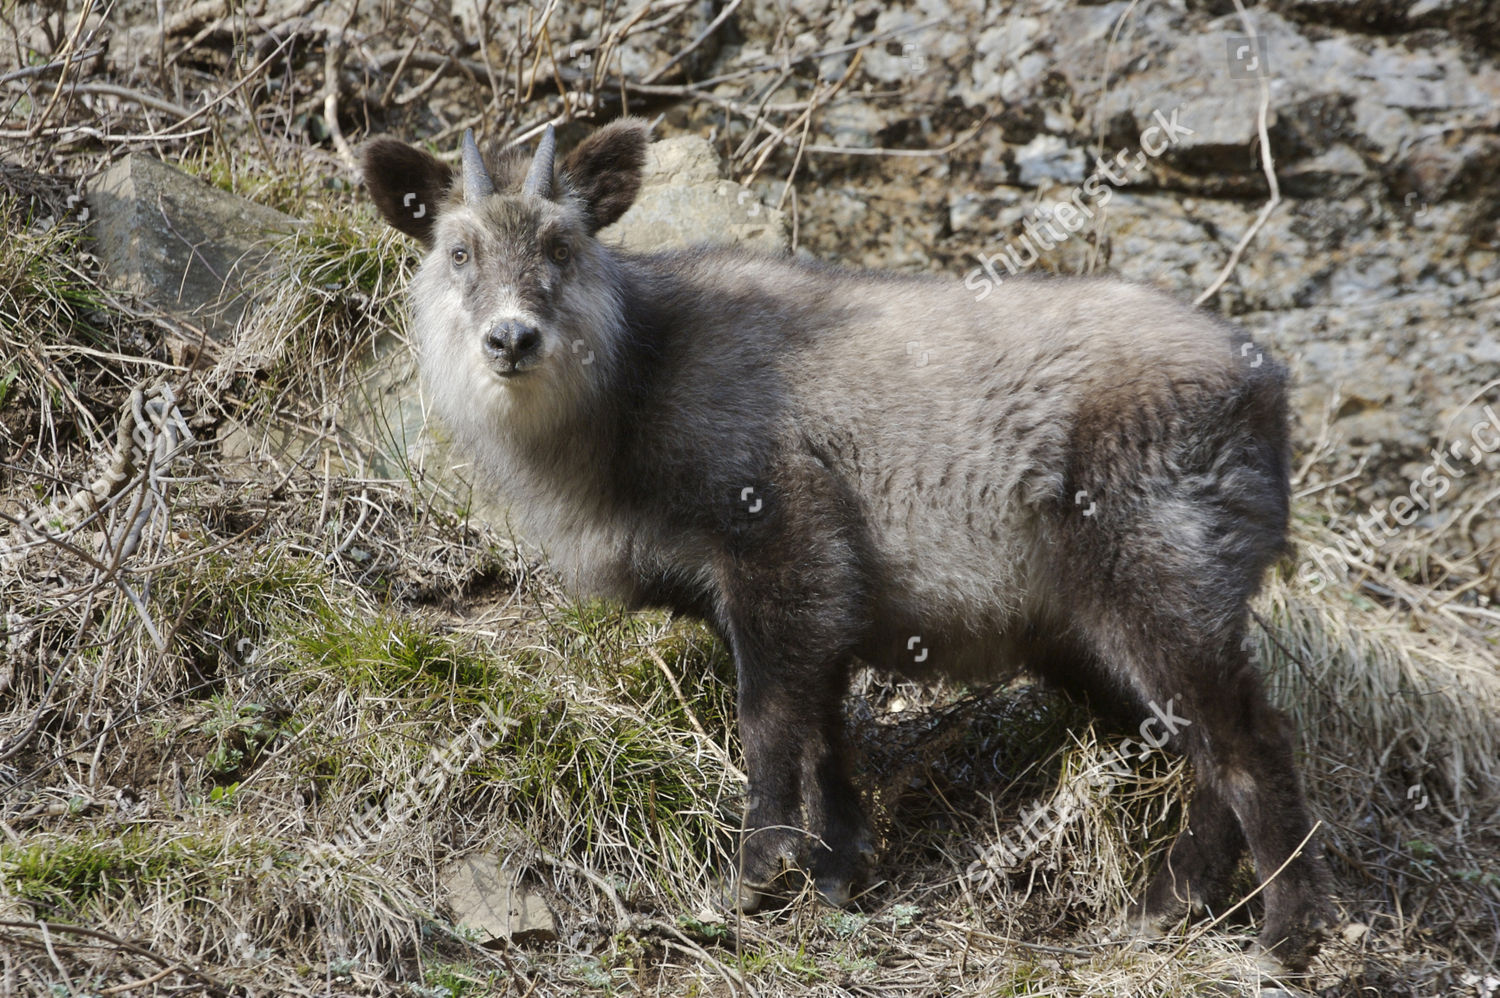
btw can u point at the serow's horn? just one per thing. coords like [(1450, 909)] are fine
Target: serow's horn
[(539, 179), (477, 182)]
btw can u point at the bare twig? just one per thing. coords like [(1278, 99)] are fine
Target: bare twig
[(51, 67), (239, 85), (780, 135), (84, 11), (336, 47), (390, 86), (127, 93), (206, 981), (703, 36), (1268, 165)]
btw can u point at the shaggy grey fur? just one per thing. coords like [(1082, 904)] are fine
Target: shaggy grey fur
[(1082, 476)]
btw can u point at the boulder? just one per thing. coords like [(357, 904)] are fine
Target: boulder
[(185, 246), (683, 202), (488, 899)]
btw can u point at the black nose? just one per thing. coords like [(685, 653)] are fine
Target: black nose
[(512, 342)]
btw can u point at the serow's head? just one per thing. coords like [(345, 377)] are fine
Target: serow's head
[(515, 294)]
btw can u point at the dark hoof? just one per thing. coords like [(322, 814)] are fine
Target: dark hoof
[(735, 895), (1131, 930), (1292, 943), (1154, 916), (773, 875), (835, 891), (839, 873), (749, 894), (1145, 928)]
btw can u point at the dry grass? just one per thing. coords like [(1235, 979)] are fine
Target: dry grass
[(226, 669), (186, 764)]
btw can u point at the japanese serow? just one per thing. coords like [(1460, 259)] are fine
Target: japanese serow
[(1080, 476)]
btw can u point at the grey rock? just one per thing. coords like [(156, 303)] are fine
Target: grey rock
[(1361, 281), (685, 159), (488, 899), (1436, 167), (842, 208), (914, 53), (574, 30), (1174, 63), (964, 209), (1476, 19), (1006, 63), (183, 245), (1189, 71), (1486, 351), (1336, 173), (855, 124), (1155, 239), (1386, 128), (1049, 157), (684, 203)]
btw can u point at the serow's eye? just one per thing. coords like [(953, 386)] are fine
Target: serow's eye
[(560, 253), (460, 256)]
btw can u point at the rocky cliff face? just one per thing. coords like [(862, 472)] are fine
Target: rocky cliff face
[(1375, 275), (1325, 172)]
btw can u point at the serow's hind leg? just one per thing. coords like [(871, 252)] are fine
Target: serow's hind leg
[(1194, 875), (1216, 710)]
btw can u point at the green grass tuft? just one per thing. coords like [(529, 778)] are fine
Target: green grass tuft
[(69, 875), (389, 654)]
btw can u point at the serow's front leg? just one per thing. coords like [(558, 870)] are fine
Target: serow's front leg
[(793, 607), (804, 815)]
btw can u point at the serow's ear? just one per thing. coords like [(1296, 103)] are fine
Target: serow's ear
[(605, 169), (406, 184)]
